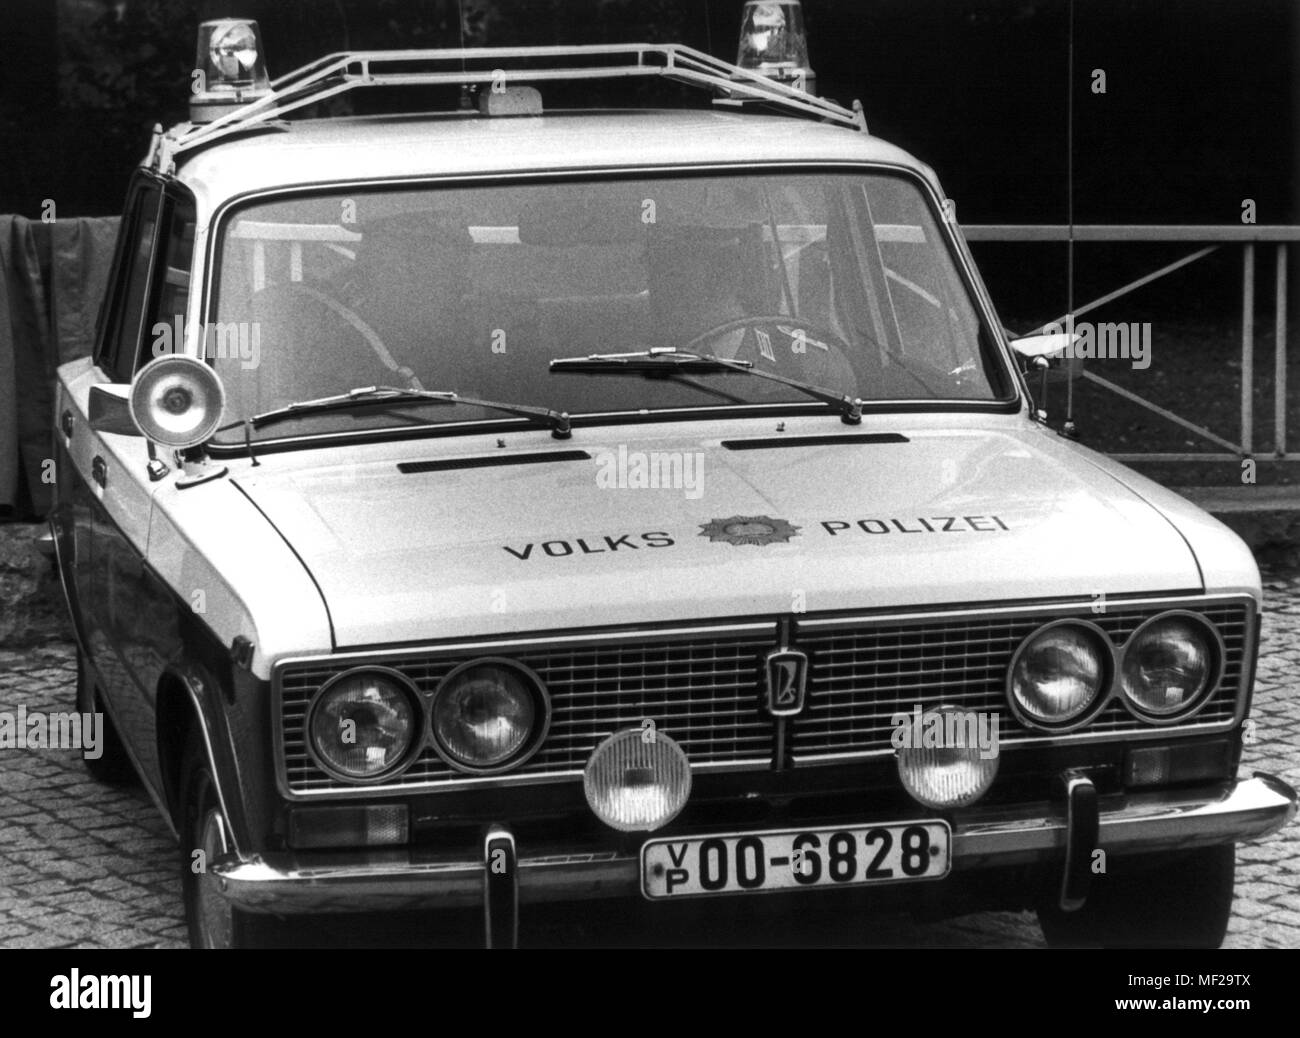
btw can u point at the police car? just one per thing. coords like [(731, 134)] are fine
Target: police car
[(503, 504)]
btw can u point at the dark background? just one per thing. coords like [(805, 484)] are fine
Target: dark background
[(1199, 111)]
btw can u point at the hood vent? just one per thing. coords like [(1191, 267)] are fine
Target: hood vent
[(490, 460), (768, 442)]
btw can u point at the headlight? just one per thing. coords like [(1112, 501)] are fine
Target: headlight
[(363, 724), (1060, 673), (489, 715), (1169, 664)]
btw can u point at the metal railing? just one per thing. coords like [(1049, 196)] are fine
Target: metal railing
[(1249, 236)]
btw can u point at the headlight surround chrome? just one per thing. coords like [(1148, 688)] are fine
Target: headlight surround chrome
[(489, 715), (1170, 666), (364, 724), (1061, 675)]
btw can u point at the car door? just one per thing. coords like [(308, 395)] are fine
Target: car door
[(126, 613)]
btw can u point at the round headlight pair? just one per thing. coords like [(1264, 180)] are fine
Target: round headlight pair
[(1060, 677), (1169, 666), (364, 724), (487, 716)]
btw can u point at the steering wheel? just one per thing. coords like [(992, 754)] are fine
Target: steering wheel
[(820, 354), (367, 333)]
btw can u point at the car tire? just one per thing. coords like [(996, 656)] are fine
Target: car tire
[(113, 767), (1179, 900), (211, 921)]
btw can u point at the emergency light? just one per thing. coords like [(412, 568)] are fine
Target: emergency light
[(229, 69), (773, 42)]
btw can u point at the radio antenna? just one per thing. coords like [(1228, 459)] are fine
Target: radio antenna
[(1068, 428)]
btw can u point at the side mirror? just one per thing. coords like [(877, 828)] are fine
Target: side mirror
[(1040, 350), (110, 410), (1053, 345)]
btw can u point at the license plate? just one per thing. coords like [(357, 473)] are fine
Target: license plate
[(791, 859)]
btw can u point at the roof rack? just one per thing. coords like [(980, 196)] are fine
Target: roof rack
[(340, 73)]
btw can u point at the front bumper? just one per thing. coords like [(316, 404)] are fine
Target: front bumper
[(982, 839)]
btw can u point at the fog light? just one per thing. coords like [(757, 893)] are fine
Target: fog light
[(637, 780), (955, 773)]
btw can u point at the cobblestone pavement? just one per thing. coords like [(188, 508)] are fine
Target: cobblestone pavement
[(82, 865)]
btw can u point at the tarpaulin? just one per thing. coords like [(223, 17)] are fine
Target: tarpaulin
[(53, 279)]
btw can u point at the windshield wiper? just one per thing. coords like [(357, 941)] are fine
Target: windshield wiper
[(665, 360), (374, 396)]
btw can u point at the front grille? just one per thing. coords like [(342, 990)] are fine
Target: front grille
[(703, 688), (699, 691), (859, 678)]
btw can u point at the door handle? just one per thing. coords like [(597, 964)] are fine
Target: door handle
[(65, 423), (99, 470)]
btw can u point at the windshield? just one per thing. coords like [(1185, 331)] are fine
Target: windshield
[(839, 279)]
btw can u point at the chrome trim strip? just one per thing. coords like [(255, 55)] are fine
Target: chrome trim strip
[(1037, 741), (212, 760), (504, 781), (993, 610), (74, 614), (1247, 810), (634, 636)]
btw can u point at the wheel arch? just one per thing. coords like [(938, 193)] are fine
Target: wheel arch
[(182, 711)]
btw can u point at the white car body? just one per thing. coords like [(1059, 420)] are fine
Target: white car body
[(329, 552)]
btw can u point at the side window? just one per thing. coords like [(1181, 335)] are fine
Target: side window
[(125, 324), (166, 324)]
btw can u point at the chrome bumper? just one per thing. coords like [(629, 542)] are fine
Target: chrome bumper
[(982, 838)]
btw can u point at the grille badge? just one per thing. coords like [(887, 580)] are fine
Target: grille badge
[(786, 687)]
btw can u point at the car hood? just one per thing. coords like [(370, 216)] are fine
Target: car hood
[(431, 545)]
